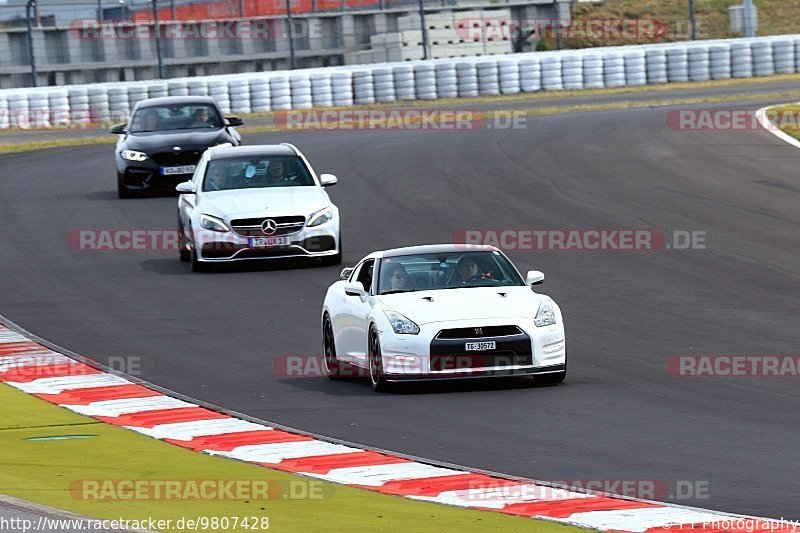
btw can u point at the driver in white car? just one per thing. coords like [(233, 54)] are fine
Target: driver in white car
[(468, 269)]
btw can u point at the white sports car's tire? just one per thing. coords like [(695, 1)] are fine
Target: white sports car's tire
[(375, 363), (334, 368)]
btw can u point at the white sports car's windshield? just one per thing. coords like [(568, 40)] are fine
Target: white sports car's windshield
[(256, 173), (449, 270), (175, 117)]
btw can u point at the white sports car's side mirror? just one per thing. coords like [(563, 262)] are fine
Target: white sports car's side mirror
[(326, 180), (187, 187), (534, 277), (355, 288)]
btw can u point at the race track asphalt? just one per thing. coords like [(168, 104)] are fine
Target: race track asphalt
[(620, 415)]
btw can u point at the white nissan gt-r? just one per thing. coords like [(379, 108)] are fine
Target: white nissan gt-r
[(256, 202), (447, 311)]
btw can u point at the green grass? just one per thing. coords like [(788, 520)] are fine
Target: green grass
[(42, 471), (788, 118), (775, 17)]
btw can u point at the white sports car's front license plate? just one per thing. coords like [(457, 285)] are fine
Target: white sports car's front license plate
[(185, 169), (480, 346), (266, 242)]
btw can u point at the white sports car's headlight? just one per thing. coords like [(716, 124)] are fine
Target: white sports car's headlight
[(320, 217), (401, 324), (133, 155), (213, 224), (546, 315)]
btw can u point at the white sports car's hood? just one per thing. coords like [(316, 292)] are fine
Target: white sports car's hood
[(464, 304), (267, 201)]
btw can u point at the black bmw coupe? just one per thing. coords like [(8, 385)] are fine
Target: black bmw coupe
[(164, 139)]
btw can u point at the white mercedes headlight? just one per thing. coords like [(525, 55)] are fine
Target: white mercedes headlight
[(546, 315), (320, 217), (213, 224), (133, 155), (401, 324)]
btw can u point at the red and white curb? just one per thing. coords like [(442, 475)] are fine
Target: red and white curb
[(32, 367)]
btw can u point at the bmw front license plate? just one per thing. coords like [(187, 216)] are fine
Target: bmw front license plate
[(185, 169), (480, 346), (266, 242)]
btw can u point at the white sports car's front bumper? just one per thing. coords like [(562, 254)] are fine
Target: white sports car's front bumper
[(439, 350), (318, 241)]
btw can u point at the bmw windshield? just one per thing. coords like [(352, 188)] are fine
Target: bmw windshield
[(176, 117), (449, 270)]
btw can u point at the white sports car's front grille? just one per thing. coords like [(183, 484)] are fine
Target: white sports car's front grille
[(252, 227)]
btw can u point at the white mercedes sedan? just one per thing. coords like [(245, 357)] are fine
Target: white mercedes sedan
[(449, 311), (256, 202)]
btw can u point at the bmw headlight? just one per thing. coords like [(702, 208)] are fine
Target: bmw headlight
[(133, 155), (546, 315), (320, 217), (213, 224), (401, 324)]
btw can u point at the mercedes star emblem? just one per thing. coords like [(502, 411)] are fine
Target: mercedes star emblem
[(268, 227)]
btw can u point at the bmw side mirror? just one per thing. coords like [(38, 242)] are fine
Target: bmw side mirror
[(355, 288), (326, 180), (534, 277), (345, 274), (119, 129), (187, 187), (234, 121)]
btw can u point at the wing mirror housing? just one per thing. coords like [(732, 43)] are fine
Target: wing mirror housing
[(327, 180), (534, 277), (187, 187), (355, 288)]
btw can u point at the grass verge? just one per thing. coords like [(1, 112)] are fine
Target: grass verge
[(787, 117), (43, 471)]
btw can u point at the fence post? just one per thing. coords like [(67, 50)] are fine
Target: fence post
[(424, 29), (32, 55), (289, 34), (156, 29)]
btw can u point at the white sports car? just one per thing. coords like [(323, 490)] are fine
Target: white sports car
[(446, 311), (256, 202)]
